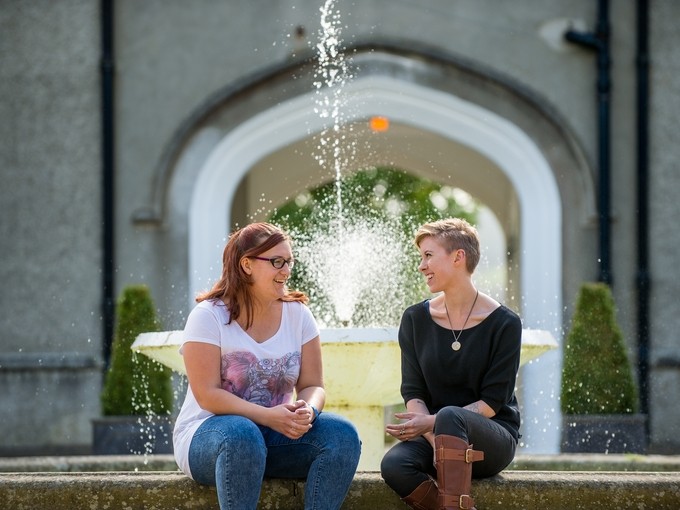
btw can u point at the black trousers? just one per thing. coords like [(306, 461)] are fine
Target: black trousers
[(409, 463)]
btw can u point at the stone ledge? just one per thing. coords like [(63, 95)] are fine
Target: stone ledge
[(172, 490), (166, 462)]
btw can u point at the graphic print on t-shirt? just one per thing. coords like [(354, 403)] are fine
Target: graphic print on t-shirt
[(267, 382)]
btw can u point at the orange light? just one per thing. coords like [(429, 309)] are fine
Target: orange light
[(379, 124)]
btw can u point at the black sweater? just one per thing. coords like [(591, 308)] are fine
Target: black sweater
[(485, 368)]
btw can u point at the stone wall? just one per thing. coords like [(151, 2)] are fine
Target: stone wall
[(171, 58), (50, 296)]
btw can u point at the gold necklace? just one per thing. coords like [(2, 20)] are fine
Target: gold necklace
[(456, 344)]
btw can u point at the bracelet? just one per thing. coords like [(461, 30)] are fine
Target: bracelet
[(316, 413)]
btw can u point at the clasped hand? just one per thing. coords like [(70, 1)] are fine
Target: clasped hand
[(292, 420)]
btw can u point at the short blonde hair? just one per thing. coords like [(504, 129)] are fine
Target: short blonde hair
[(454, 234)]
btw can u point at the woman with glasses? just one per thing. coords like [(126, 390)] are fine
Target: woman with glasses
[(254, 403), (460, 355)]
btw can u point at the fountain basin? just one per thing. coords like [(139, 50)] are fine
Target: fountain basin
[(339, 344), (362, 374)]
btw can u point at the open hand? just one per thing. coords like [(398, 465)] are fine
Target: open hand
[(412, 425)]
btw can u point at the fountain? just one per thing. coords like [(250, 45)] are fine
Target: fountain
[(362, 374), (357, 270)]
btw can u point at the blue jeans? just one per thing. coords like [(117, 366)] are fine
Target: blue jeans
[(235, 454)]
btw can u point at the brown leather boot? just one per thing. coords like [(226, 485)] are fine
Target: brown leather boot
[(424, 497), (453, 459)]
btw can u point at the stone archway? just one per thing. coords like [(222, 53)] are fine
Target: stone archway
[(430, 111)]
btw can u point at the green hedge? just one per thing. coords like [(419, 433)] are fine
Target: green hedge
[(135, 384), (596, 374)]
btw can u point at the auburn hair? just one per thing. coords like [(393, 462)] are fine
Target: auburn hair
[(234, 286)]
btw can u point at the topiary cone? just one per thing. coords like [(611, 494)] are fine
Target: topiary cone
[(135, 384), (596, 374)]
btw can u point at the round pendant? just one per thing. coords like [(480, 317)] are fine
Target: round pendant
[(455, 345)]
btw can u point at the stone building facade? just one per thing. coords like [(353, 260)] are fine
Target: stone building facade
[(213, 123)]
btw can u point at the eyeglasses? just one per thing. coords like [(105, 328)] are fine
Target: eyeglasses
[(277, 262)]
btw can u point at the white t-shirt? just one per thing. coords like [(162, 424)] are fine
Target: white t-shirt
[(263, 373)]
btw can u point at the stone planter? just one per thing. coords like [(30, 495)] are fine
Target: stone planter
[(604, 433), (125, 435)]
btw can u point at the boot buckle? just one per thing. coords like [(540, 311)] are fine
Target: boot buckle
[(465, 502), (469, 457)]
